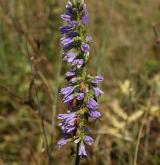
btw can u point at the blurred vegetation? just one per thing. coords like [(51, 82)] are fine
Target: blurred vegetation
[(126, 51)]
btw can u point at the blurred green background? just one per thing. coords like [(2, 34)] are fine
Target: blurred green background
[(125, 50)]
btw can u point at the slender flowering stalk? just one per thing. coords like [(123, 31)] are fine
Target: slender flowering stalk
[(82, 92)]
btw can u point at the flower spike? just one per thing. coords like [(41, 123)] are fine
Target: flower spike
[(82, 92)]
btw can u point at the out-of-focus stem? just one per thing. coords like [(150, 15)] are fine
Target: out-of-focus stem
[(140, 132), (56, 94)]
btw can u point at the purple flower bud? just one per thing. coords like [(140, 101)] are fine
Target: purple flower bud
[(88, 39), (66, 17), (80, 96), (100, 78), (79, 63), (85, 47), (82, 150), (88, 140), (94, 114), (92, 104), (97, 91), (61, 142)]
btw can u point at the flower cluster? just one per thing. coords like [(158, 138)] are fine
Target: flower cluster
[(82, 91)]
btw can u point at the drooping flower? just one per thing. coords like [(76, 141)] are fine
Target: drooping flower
[(97, 80), (97, 91), (61, 142), (82, 150), (92, 104), (94, 114), (88, 140)]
